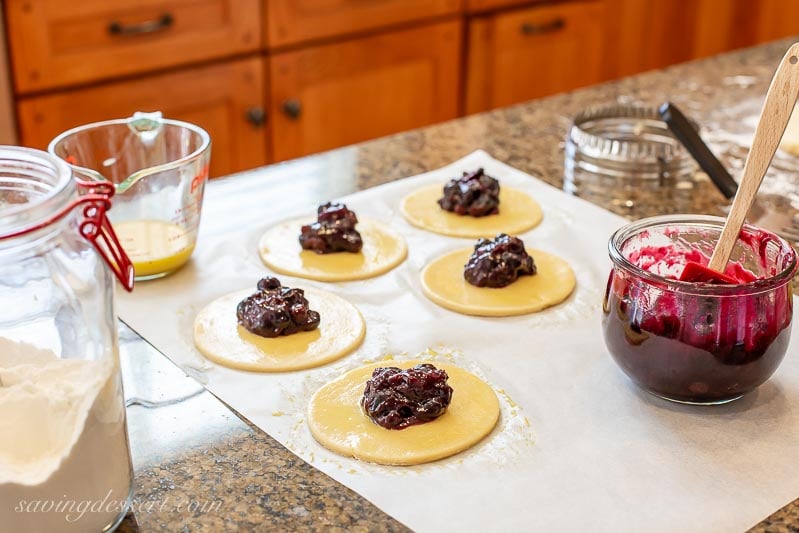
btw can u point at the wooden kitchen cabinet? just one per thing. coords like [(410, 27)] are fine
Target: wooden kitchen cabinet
[(225, 99), (475, 6), (56, 43), (532, 52), (776, 19), (294, 21), (277, 79), (328, 96), (8, 130), (658, 33)]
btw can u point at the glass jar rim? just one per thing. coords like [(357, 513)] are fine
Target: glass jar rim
[(601, 146), (54, 195), (623, 234)]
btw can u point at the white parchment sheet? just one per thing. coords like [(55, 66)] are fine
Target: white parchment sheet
[(578, 447)]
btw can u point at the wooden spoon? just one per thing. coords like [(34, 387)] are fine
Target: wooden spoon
[(780, 100)]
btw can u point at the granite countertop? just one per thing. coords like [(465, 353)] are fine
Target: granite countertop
[(201, 467)]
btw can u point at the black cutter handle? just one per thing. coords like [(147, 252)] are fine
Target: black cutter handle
[(689, 137)]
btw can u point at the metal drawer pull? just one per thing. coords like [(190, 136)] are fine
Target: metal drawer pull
[(529, 28), (164, 22)]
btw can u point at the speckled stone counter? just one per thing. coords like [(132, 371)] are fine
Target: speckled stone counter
[(200, 467)]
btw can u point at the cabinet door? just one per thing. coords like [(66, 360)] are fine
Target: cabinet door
[(224, 99), (776, 19), (294, 21), (658, 33), (8, 133), (328, 96), (56, 43), (529, 53)]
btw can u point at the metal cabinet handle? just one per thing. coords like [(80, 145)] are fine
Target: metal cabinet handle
[(292, 108), (151, 26), (530, 28), (256, 116)]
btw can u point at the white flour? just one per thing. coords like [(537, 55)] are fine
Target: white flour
[(64, 462)]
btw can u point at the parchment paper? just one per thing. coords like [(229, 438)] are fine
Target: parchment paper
[(578, 446)]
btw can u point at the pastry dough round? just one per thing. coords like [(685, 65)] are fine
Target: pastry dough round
[(443, 283), (518, 212), (220, 338), (337, 421), (383, 249)]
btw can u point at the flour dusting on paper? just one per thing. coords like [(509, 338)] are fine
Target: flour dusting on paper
[(577, 444)]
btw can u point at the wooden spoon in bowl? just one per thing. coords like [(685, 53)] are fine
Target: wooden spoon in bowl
[(780, 100)]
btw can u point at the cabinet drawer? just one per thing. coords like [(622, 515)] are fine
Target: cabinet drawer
[(219, 98), (529, 53), (473, 6), (56, 43), (328, 96), (294, 21)]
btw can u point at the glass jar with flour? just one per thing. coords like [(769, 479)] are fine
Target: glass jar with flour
[(64, 455)]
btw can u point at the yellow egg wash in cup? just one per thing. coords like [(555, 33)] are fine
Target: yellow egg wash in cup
[(155, 247)]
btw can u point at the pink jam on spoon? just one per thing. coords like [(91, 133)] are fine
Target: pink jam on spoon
[(777, 108)]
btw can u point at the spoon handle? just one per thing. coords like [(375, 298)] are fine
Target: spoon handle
[(777, 108)]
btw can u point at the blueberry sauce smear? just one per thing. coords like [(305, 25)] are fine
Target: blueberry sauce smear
[(498, 263), (396, 399), (276, 310), (333, 231), (475, 194)]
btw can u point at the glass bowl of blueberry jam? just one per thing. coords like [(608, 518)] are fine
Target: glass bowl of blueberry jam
[(690, 342)]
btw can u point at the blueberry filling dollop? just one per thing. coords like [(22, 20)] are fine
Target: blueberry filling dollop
[(498, 262), (333, 231), (276, 310), (396, 399), (475, 194)]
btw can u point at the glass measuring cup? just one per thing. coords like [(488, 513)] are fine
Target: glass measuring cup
[(159, 168)]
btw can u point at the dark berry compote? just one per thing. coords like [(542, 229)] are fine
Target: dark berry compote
[(396, 399), (276, 310), (697, 342), (333, 231), (498, 263), (700, 350), (474, 194)]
